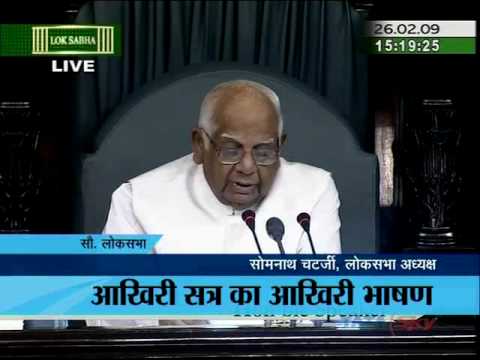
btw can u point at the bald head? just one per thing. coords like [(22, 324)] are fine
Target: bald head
[(240, 95)]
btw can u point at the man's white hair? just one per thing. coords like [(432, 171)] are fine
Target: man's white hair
[(209, 103)]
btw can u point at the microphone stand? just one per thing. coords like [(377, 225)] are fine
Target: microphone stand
[(256, 242), (311, 242)]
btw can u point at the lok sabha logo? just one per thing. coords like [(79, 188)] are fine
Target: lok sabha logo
[(60, 40), (73, 40)]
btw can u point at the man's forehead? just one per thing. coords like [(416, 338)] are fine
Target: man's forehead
[(246, 112), (260, 129), (240, 139)]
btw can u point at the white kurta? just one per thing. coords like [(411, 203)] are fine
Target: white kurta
[(175, 200)]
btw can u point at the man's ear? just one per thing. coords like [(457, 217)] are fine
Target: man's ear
[(283, 138), (197, 146)]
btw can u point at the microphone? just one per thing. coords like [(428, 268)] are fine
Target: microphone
[(275, 230), (248, 216), (304, 220)]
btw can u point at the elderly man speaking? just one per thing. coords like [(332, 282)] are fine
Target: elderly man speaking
[(196, 202)]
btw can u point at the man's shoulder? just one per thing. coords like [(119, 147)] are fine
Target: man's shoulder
[(299, 187), (304, 173), (304, 182), (167, 173)]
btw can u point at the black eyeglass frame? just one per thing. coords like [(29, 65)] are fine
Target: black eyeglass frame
[(218, 149)]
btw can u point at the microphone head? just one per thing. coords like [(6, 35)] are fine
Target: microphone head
[(248, 216), (304, 220), (275, 228)]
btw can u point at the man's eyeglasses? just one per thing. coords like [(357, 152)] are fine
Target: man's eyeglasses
[(231, 152)]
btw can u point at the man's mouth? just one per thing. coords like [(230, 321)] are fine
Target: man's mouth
[(243, 187)]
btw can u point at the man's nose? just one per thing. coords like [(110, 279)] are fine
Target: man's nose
[(247, 164)]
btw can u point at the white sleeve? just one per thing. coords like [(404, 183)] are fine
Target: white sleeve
[(122, 220), (121, 217), (324, 224)]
